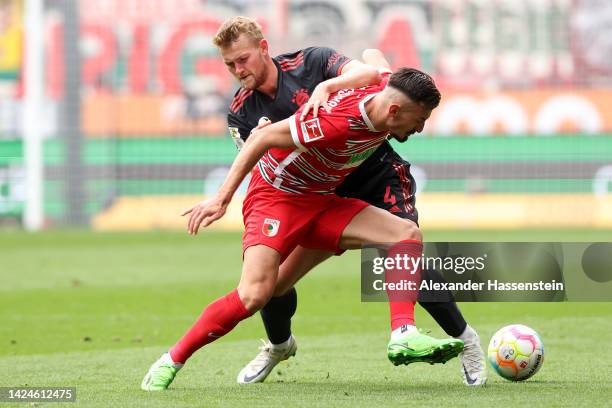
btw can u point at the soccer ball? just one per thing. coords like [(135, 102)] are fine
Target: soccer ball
[(516, 352)]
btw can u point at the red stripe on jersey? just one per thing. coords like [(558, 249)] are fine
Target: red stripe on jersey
[(400, 169), (329, 147), (342, 66), (300, 55), (290, 67), (239, 99), (289, 64)]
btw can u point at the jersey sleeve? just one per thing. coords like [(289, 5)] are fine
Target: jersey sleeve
[(323, 131), (329, 60), (238, 129), (385, 74)]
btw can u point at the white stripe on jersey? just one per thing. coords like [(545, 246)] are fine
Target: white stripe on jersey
[(294, 133), (364, 114), (279, 169), (309, 169)]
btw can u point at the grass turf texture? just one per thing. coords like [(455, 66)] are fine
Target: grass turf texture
[(95, 310)]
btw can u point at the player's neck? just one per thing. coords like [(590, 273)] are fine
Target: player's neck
[(270, 84), (372, 109)]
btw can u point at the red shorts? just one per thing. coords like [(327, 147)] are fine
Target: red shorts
[(282, 220)]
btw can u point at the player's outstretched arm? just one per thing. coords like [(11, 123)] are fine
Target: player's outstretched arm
[(354, 75), (374, 57), (208, 211)]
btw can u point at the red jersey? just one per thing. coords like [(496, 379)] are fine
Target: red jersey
[(328, 148)]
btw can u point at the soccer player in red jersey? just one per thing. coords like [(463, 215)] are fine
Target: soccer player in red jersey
[(290, 202), (274, 88)]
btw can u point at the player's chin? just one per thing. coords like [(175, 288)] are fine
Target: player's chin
[(399, 138), (248, 82)]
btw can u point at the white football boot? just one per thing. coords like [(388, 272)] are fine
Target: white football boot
[(263, 364), (473, 364)]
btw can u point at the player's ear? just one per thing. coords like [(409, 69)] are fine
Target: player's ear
[(393, 109), (264, 46)]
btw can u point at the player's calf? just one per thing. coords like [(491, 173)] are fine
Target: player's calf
[(256, 287), (217, 319)]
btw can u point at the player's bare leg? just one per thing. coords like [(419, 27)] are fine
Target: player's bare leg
[(298, 263), (257, 282), (259, 274), (281, 344), (407, 344), (302, 260)]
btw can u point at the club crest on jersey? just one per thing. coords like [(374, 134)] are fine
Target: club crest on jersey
[(311, 129), (300, 97), (270, 227)]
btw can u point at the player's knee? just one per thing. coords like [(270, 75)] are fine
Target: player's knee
[(409, 231), (255, 296), (281, 290)]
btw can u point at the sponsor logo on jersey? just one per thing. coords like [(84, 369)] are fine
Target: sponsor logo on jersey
[(343, 93), (311, 129), (359, 158), (235, 134), (270, 227)]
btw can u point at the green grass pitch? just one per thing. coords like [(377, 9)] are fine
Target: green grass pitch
[(95, 310)]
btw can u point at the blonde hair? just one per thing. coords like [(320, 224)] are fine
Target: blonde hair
[(231, 29)]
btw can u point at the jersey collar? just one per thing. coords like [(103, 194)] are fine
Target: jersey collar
[(364, 115)]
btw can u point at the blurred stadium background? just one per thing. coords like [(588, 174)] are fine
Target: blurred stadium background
[(133, 98), (112, 118)]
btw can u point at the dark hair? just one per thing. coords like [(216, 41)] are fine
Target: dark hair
[(416, 85)]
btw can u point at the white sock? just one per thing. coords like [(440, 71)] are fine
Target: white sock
[(282, 345), (168, 360), (402, 331), (468, 334)]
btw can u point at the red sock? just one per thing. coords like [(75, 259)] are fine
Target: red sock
[(401, 303), (218, 319)]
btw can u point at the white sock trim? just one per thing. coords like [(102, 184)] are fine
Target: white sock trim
[(468, 333), (168, 360), (402, 331), (284, 344)]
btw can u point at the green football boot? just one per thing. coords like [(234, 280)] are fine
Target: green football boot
[(415, 346), (161, 374)]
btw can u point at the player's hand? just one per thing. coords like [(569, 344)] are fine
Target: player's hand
[(204, 213), (263, 122), (317, 100)]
